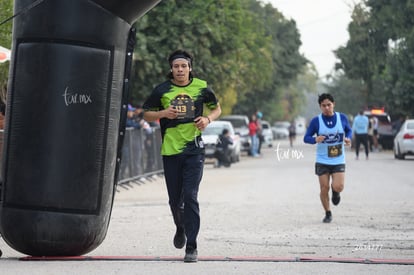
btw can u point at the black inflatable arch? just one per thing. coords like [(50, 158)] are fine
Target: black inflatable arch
[(66, 96)]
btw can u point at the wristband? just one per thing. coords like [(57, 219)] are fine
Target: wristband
[(209, 121)]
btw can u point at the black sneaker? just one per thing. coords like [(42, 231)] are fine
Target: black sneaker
[(328, 217), (336, 197), (179, 238), (190, 255)]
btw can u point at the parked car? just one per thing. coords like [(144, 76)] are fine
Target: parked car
[(385, 131), (267, 133), (280, 129), (241, 127), (210, 137), (404, 140), (300, 125)]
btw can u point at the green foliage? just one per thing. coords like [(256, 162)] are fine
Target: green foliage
[(247, 51), (380, 53), (347, 93), (6, 11), (206, 28)]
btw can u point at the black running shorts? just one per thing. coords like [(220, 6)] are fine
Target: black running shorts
[(321, 169)]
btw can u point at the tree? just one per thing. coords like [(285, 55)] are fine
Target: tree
[(364, 55), (347, 93), (246, 50), (219, 35), (398, 76), (380, 53), (276, 99), (5, 40)]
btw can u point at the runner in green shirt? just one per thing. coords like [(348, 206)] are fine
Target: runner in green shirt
[(178, 104)]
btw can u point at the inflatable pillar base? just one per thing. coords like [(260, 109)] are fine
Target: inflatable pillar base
[(65, 98)]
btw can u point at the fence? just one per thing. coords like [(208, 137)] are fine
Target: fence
[(140, 154)]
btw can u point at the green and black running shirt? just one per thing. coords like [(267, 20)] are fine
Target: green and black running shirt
[(180, 135)]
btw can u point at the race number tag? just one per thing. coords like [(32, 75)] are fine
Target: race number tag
[(334, 150), (185, 106)]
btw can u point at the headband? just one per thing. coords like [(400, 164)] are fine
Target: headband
[(177, 56)]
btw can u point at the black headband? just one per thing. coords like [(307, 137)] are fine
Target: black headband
[(179, 55)]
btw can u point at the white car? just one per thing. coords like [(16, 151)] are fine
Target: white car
[(280, 129), (210, 137), (404, 140), (267, 133), (241, 127)]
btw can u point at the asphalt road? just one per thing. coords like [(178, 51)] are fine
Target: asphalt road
[(261, 216)]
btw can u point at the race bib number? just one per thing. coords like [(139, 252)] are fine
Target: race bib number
[(334, 150), (185, 106)]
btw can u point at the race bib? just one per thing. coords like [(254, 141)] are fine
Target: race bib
[(334, 150), (185, 106)]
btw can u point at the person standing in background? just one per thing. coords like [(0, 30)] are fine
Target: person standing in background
[(253, 136), (292, 132), (259, 131), (371, 134), (360, 129), (375, 134)]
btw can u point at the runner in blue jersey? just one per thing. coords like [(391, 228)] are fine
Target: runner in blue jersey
[(330, 131)]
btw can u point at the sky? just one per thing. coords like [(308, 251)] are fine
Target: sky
[(322, 25)]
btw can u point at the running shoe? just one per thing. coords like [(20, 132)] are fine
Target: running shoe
[(190, 255), (336, 197), (328, 217), (179, 238)]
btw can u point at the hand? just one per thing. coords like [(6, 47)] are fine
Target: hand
[(171, 112), (347, 141), (319, 139), (201, 122)]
